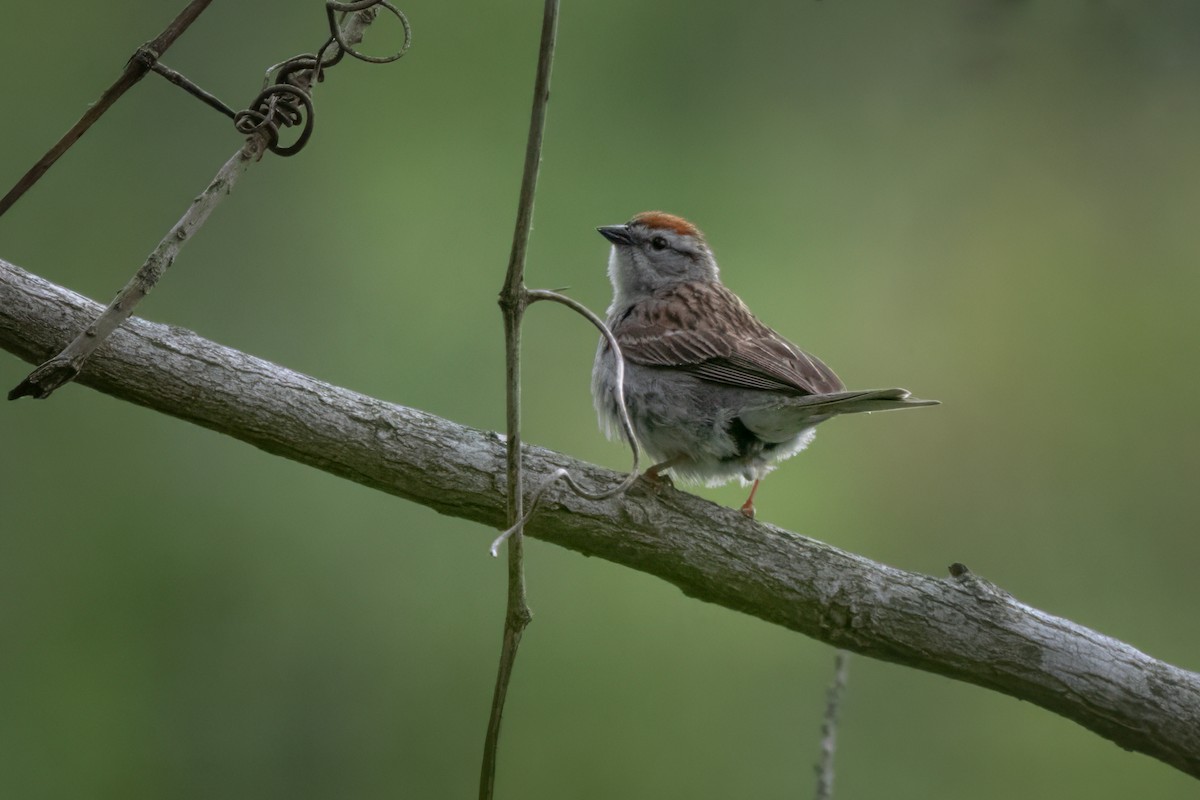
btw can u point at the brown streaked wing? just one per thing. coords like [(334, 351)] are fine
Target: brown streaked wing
[(706, 330)]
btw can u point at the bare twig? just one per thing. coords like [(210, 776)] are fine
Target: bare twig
[(829, 726), (64, 366), (135, 69), (513, 301), (952, 626)]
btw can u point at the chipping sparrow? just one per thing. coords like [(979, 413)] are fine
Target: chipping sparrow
[(712, 393)]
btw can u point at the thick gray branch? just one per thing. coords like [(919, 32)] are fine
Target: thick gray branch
[(961, 627)]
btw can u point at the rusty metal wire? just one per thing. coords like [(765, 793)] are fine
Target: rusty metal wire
[(188, 86), (286, 99)]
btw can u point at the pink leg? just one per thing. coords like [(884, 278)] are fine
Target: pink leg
[(748, 506)]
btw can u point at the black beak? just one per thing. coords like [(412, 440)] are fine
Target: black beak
[(617, 234)]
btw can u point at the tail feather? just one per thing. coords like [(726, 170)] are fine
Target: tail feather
[(783, 419), (858, 401)]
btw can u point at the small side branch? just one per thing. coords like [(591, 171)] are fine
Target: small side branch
[(65, 365)]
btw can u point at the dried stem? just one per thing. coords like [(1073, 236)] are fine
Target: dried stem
[(513, 301), (135, 69), (829, 726), (64, 366)]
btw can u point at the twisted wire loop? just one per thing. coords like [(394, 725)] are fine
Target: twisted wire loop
[(286, 97)]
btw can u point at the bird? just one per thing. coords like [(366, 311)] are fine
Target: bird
[(713, 394)]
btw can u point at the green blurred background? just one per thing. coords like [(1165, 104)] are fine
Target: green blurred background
[(992, 203)]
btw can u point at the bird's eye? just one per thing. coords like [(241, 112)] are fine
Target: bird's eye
[(658, 243)]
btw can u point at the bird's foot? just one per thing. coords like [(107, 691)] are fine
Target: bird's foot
[(656, 481)]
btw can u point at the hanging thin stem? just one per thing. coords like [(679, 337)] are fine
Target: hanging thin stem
[(829, 726)]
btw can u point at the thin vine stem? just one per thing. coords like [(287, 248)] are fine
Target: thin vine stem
[(513, 300), (532, 296)]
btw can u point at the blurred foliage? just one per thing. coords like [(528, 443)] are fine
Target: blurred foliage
[(991, 203)]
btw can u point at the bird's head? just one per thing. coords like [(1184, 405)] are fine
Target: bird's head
[(653, 250)]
